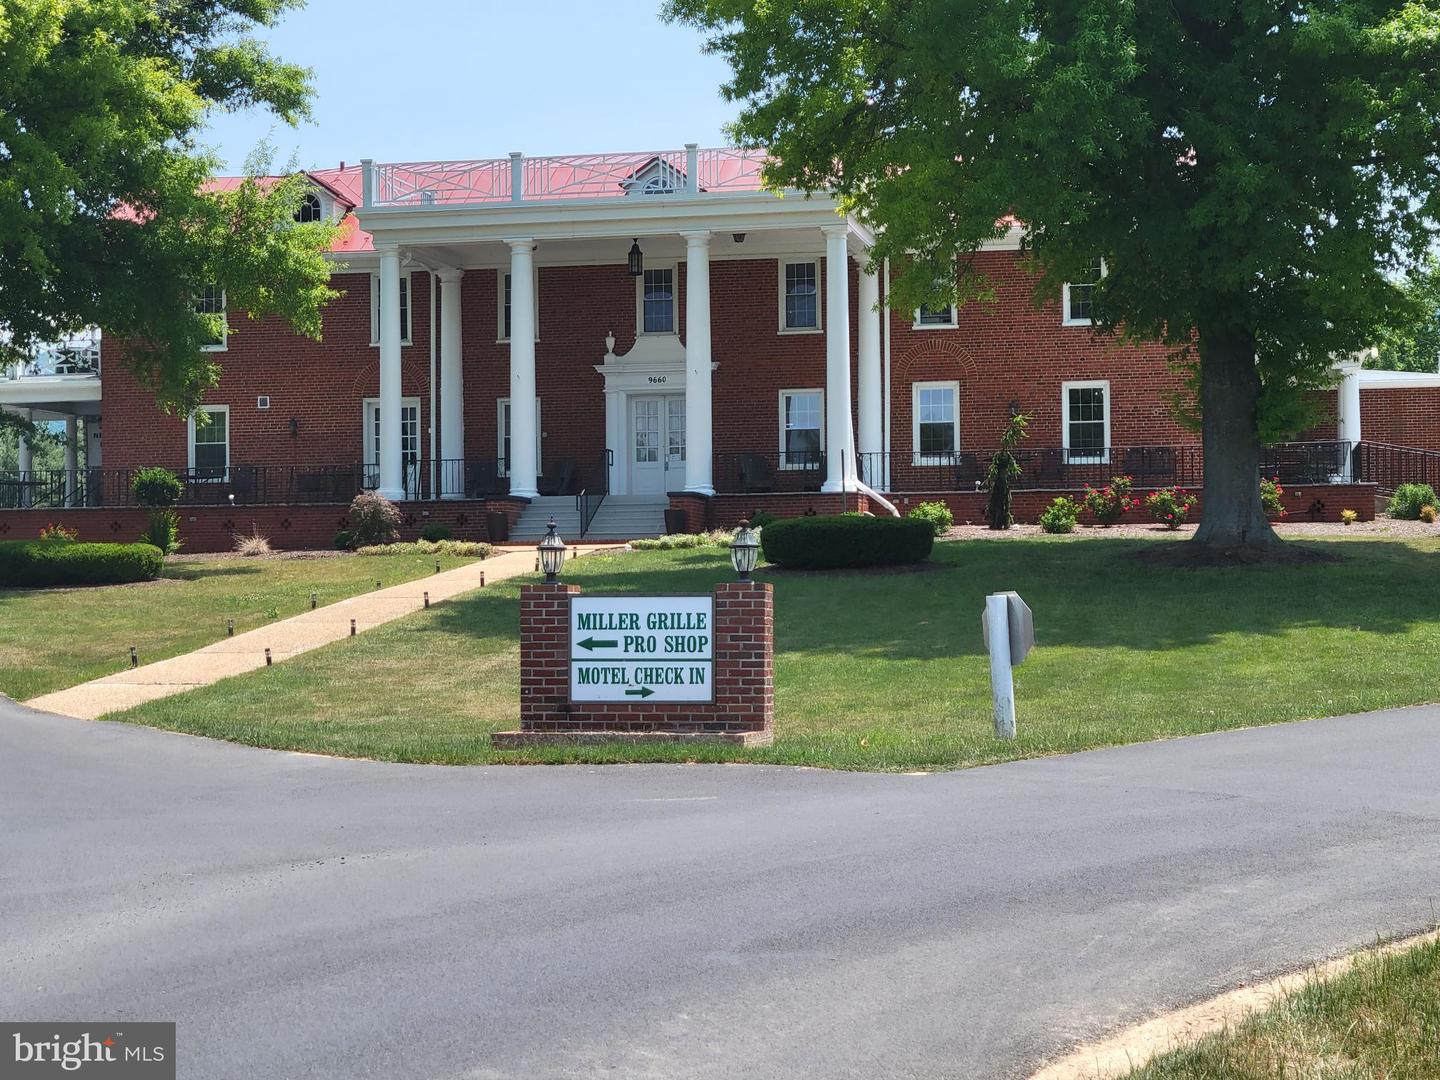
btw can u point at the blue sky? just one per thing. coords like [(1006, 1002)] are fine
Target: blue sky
[(432, 79)]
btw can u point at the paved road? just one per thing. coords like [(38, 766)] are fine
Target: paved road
[(307, 917)]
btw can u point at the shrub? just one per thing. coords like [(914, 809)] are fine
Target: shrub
[(1003, 470), (1408, 500), (1349, 517), (342, 540), (435, 531), (1427, 514), (1170, 506), (936, 513), (827, 543), (1110, 502), (58, 532), (1271, 500), (1060, 516), (464, 549), (373, 520), (760, 518), (155, 487), (252, 545), (678, 541), (50, 562), (163, 531)]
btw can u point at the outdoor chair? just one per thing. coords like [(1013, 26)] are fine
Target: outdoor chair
[(485, 480), (968, 469), (556, 480), (756, 473), (1051, 470)]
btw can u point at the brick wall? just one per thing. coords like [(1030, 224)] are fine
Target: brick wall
[(743, 709)]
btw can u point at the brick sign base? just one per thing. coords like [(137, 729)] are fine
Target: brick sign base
[(743, 711)]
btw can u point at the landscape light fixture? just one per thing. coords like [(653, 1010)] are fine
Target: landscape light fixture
[(637, 258), (552, 553), (745, 550)]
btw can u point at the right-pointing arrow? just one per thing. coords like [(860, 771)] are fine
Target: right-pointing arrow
[(643, 692)]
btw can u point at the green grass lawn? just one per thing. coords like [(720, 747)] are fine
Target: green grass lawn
[(886, 670), (54, 638), (1378, 1021)]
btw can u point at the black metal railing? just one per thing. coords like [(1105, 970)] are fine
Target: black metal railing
[(750, 471), (588, 501), (1387, 466)]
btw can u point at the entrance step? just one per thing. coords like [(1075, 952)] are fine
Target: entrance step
[(620, 517)]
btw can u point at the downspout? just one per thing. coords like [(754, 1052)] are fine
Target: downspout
[(885, 372)]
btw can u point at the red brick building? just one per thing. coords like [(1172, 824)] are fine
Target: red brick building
[(651, 327)]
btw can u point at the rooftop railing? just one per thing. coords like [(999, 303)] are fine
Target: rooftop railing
[(518, 179), (78, 357)]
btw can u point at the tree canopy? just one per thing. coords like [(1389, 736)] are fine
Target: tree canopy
[(108, 213), (1412, 341), (1254, 173)]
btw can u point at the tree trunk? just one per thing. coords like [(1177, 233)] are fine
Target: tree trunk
[(1233, 526)]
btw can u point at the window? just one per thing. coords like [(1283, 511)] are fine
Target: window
[(799, 295), (502, 432), (502, 295), (937, 422), (1078, 296), (212, 302), (404, 309), (657, 301), (210, 442), (310, 209), (1086, 414), (928, 318), (801, 428)]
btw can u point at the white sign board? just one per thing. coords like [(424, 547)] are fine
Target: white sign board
[(642, 648)]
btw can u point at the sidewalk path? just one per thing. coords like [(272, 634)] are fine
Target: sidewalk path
[(286, 638)]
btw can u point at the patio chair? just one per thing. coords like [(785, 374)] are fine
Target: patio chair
[(756, 473), (1051, 470), (485, 480), (556, 480), (968, 469)]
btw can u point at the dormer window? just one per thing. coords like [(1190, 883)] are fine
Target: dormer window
[(310, 209), (657, 178)]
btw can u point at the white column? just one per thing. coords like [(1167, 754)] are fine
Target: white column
[(839, 443), (1348, 427), (72, 459), (872, 407), (452, 388), (392, 478), (25, 461), (699, 441), (524, 469)]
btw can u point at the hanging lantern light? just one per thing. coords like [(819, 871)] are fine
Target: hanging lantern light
[(637, 259)]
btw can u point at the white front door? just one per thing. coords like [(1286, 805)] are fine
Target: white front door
[(657, 444), (409, 445)]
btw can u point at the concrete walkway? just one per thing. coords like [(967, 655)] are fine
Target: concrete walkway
[(287, 638)]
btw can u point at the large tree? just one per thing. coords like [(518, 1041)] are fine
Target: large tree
[(108, 213), (1255, 173), (1411, 342)]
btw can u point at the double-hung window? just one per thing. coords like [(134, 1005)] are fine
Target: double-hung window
[(932, 318), (1086, 419), (801, 428), (1078, 296), (212, 302), (657, 301), (799, 295), (404, 309), (937, 422), (502, 432), (504, 290), (210, 442)]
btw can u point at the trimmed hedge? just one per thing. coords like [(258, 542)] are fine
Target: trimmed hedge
[(843, 541), (60, 562)]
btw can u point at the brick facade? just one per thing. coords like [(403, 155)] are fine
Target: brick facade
[(743, 709)]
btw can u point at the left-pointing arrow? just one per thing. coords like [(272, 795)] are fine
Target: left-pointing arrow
[(598, 643)]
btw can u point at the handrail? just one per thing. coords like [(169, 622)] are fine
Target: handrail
[(587, 504)]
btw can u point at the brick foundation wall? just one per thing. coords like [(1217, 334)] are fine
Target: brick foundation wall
[(289, 528), (744, 676), (1027, 506)]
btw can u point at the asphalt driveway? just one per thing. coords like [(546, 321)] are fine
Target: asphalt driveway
[(302, 916)]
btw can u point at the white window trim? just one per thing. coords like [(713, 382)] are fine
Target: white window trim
[(500, 273), (1065, 319), (931, 459), (1082, 456), (190, 450), (320, 201), (954, 322), (501, 460), (224, 343), (640, 330), (819, 327), (408, 339), (780, 415)]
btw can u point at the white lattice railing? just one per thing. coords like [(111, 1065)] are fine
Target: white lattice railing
[(580, 176), (78, 356)]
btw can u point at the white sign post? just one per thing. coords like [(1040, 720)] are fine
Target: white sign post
[(642, 648), (1009, 636)]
